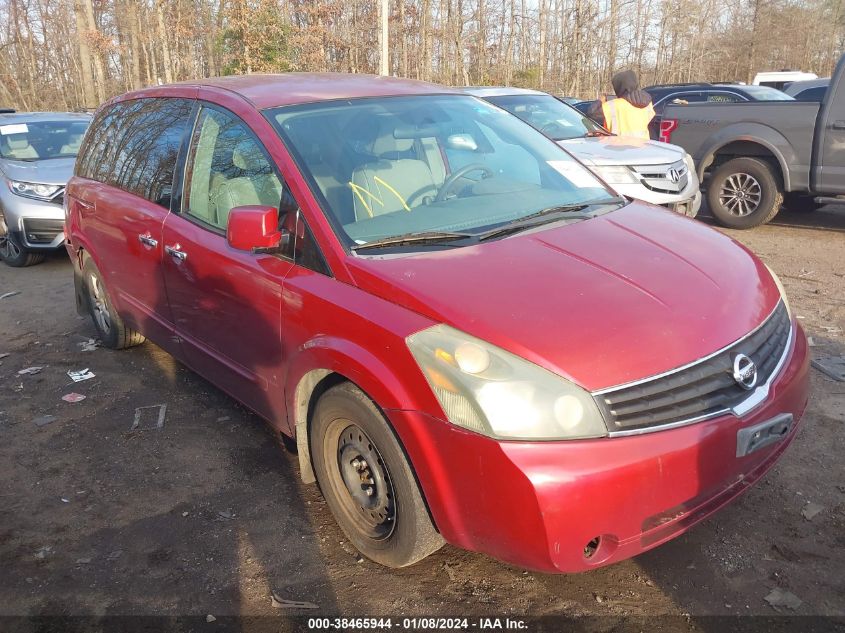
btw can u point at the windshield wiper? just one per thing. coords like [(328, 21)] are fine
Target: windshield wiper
[(425, 237), (570, 210)]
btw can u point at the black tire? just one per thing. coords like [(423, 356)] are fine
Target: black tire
[(350, 441), (112, 331), (744, 193), (14, 254), (796, 202)]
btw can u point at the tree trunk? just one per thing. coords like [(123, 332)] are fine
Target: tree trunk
[(89, 96), (165, 49)]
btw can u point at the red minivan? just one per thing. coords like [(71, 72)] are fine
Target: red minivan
[(471, 338)]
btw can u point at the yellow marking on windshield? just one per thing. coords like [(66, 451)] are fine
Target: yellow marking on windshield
[(356, 189), (393, 191)]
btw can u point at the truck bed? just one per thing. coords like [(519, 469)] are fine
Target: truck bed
[(786, 127)]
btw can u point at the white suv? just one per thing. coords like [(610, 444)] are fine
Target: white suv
[(652, 171)]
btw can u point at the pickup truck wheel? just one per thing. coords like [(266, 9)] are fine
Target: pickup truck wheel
[(366, 480), (744, 193), (113, 332)]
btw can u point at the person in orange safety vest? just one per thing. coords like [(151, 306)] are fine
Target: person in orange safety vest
[(630, 113)]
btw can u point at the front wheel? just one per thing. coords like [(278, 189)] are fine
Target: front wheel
[(14, 254), (366, 480), (744, 193)]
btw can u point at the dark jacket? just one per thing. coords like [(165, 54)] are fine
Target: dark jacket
[(626, 86)]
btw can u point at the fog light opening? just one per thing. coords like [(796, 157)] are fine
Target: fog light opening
[(592, 547)]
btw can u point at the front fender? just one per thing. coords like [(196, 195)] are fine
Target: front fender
[(397, 385)]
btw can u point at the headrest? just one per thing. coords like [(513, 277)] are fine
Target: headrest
[(18, 141), (386, 143)]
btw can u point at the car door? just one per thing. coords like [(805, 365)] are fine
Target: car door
[(226, 303), (828, 171), (131, 159)]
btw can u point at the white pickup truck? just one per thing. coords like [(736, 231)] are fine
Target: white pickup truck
[(652, 171)]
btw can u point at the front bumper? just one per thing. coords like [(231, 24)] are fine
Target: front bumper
[(686, 202), (539, 504), (37, 225)]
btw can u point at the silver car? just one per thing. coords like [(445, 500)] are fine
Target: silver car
[(37, 154), (659, 173)]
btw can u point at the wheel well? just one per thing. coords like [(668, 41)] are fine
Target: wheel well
[(313, 385), (309, 389), (745, 149)]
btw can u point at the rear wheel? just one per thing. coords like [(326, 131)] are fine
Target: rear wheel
[(14, 254), (744, 193), (366, 480), (113, 332)]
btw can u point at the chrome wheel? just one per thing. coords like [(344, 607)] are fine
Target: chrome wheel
[(370, 501), (98, 304), (741, 194)]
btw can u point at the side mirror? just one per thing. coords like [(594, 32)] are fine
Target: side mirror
[(255, 228)]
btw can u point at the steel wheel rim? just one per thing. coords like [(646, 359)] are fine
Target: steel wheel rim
[(8, 248), (98, 300), (741, 194), (360, 467)]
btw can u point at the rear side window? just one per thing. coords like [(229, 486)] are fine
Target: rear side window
[(101, 134), (134, 146)]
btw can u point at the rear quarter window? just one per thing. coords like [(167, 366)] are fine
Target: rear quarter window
[(133, 145)]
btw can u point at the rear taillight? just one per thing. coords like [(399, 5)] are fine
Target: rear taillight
[(667, 126)]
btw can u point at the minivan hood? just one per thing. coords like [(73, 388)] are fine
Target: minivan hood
[(55, 171), (622, 150), (602, 302)]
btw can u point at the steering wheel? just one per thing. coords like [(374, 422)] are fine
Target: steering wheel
[(463, 171)]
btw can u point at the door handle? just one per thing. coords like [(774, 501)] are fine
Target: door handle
[(176, 251), (838, 125), (149, 240)]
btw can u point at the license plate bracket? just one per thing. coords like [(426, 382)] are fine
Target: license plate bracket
[(753, 438)]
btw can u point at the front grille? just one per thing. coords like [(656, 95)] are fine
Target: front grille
[(700, 390), (41, 230), (657, 177)]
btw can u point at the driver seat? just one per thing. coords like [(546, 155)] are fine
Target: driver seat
[(19, 148), (391, 183)]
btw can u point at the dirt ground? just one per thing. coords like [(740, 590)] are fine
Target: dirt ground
[(207, 515)]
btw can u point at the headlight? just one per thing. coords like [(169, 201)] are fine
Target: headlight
[(615, 174), (34, 190), (689, 162), (781, 289), (487, 390)]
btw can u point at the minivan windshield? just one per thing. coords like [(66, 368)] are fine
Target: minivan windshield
[(40, 140), (431, 169), (553, 118)]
